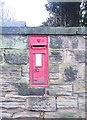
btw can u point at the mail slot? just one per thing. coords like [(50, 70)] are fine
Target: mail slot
[(38, 61)]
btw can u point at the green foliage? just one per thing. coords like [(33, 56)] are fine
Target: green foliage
[(83, 14), (62, 14)]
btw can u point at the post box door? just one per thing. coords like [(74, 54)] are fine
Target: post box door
[(38, 75)]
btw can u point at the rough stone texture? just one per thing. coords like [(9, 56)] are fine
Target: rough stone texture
[(25, 70), (64, 97), (56, 57), (44, 30), (41, 104), (16, 56), (80, 56), (55, 42), (14, 42), (26, 114), (23, 89), (70, 74), (1, 56), (63, 113), (79, 88), (66, 102), (82, 103), (53, 68), (55, 90), (53, 76)]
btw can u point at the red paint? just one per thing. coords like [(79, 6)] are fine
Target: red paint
[(38, 60)]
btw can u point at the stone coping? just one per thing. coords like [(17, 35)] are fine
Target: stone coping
[(43, 30), (65, 0)]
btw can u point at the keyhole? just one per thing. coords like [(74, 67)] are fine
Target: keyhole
[(36, 69)]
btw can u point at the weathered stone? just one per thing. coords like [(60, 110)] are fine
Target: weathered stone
[(81, 73), (53, 68), (55, 42), (74, 42), (82, 42), (66, 102), (44, 30), (13, 98), (70, 74), (56, 57), (62, 113), (53, 76), (6, 115), (17, 42), (66, 42), (9, 71), (12, 105), (59, 79), (59, 90), (41, 103), (23, 89), (79, 88), (8, 88), (26, 114), (25, 70), (82, 103), (1, 56), (80, 56), (16, 57)]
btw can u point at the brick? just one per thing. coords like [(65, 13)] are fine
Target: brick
[(16, 57), (66, 102), (55, 42), (55, 90), (17, 42), (41, 103)]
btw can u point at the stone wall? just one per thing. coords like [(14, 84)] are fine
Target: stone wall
[(65, 95)]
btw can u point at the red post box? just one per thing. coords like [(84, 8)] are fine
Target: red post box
[(38, 61)]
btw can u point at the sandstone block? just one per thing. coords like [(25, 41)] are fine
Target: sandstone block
[(16, 57), (17, 42), (66, 102), (56, 42), (41, 103), (59, 90)]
